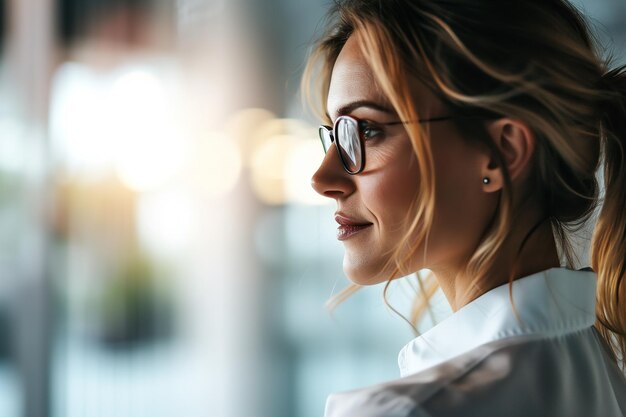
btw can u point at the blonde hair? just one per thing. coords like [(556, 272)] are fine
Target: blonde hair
[(533, 60)]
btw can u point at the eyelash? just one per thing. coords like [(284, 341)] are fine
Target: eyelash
[(373, 126)]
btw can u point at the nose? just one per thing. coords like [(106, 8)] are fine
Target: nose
[(331, 179)]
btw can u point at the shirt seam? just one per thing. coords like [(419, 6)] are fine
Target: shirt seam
[(547, 333)]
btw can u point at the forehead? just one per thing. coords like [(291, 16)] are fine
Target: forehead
[(352, 80)]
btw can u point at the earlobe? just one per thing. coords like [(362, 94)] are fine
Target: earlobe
[(515, 141), (492, 182)]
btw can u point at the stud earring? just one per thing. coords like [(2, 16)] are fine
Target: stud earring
[(486, 180)]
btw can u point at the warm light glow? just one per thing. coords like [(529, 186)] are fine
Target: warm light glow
[(150, 152), (216, 164), (246, 128), (121, 120), (302, 162), (268, 169), (284, 155), (166, 222), (82, 133)]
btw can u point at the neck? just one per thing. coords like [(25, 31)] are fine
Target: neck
[(538, 253)]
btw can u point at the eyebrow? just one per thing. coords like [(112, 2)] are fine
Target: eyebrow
[(350, 107)]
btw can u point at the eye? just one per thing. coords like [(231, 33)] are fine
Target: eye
[(371, 131)]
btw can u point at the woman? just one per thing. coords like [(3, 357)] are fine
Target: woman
[(463, 136)]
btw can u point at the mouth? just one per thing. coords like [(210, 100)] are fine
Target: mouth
[(349, 227), (346, 231)]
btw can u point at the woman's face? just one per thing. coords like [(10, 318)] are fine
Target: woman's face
[(380, 197)]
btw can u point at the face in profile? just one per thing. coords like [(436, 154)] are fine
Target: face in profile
[(375, 206)]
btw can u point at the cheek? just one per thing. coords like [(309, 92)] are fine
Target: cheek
[(391, 190), (457, 216), (457, 187)]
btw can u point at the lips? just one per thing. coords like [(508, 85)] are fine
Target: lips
[(349, 226), (343, 220)]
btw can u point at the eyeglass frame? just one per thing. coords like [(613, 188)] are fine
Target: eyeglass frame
[(332, 130)]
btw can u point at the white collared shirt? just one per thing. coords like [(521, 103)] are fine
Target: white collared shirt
[(481, 361)]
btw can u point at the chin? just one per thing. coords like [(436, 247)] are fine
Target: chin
[(364, 276), (372, 275)]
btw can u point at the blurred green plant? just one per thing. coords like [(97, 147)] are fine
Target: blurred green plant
[(135, 307)]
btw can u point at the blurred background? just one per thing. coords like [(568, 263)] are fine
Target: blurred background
[(161, 250)]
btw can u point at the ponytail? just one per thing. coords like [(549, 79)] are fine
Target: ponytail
[(608, 247)]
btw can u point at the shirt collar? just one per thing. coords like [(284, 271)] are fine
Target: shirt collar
[(549, 303)]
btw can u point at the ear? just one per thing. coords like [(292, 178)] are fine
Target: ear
[(516, 143)]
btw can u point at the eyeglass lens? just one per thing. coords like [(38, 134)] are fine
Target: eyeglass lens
[(346, 132), (325, 136)]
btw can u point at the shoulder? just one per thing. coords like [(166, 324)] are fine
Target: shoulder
[(516, 374), (401, 397)]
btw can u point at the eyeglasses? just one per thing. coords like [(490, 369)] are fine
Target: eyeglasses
[(348, 134)]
